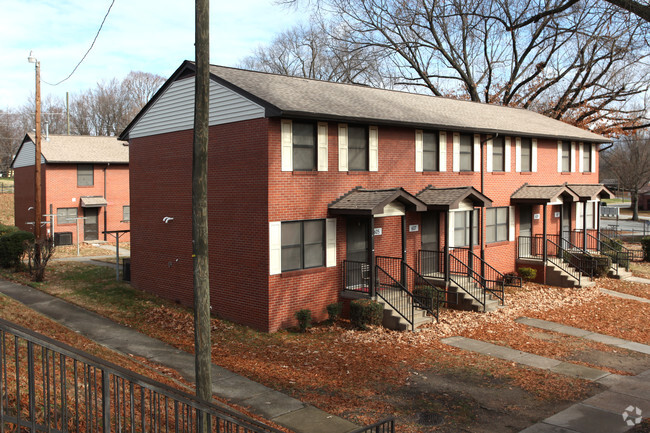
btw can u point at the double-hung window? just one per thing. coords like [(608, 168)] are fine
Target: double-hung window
[(498, 154), (66, 215), (357, 148), (526, 154), (462, 227), (496, 224), (586, 157), (466, 152), (566, 156), (85, 175), (430, 151), (304, 146), (303, 244), (126, 213)]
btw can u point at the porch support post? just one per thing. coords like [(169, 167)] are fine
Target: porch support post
[(403, 270), (470, 258), (597, 227), (371, 251), (447, 248), (584, 226), (544, 253)]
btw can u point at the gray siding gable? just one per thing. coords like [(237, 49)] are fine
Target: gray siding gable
[(174, 109), (26, 155)]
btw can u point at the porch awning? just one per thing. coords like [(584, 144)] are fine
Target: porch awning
[(543, 194), (591, 191), (377, 202), (452, 198), (93, 202)]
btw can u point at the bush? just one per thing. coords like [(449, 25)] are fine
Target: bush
[(13, 245), (334, 311), (428, 296), (603, 263), (7, 229), (528, 274), (304, 319), (645, 243), (364, 312)]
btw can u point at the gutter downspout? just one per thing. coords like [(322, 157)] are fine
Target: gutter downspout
[(106, 208)]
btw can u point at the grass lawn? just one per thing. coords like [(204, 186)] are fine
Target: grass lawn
[(365, 376)]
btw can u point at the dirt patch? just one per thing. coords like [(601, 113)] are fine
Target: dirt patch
[(7, 209), (622, 360)]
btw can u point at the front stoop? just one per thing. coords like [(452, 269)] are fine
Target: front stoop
[(467, 302), (393, 320), (622, 274), (557, 277)]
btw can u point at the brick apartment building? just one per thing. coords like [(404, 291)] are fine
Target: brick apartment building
[(313, 184), (82, 176)]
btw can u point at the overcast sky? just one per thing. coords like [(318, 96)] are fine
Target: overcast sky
[(139, 35)]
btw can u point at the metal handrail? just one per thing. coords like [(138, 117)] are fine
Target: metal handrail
[(356, 276), (467, 279), (68, 390), (632, 255), (617, 256), (562, 263), (495, 281), (384, 426), (395, 294), (585, 265)]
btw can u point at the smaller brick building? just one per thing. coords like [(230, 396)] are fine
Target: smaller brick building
[(82, 177)]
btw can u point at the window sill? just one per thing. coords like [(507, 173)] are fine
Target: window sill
[(304, 173), (498, 173), (497, 243), (299, 272), (587, 172), (85, 186), (356, 173), (526, 173), (566, 173), (467, 173)]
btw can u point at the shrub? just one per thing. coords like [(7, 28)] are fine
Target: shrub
[(427, 296), (528, 274), (334, 311), (603, 263), (364, 312), (7, 229), (304, 319), (12, 247), (645, 243)]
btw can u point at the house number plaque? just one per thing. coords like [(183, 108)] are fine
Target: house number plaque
[(378, 231)]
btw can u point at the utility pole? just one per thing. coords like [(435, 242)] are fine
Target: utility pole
[(202, 346), (37, 162)]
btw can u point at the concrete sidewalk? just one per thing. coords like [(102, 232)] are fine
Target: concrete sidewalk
[(268, 403)]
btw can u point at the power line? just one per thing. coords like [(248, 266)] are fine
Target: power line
[(91, 47)]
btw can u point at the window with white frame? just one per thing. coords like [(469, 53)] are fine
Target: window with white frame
[(586, 157), (304, 146), (303, 244), (85, 175), (430, 151), (496, 224), (357, 148), (126, 213), (590, 215), (498, 154), (566, 156), (462, 226), (526, 154), (466, 152), (66, 215)]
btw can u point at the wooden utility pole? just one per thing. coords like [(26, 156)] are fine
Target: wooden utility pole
[(202, 346), (37, 161)]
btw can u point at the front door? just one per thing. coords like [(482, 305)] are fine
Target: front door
[(525, 230), (91, 226), (358, 271), (430, 255), (566, 223)]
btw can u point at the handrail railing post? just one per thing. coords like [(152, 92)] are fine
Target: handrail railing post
[(106, 401)]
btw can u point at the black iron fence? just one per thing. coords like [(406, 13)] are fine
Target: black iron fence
[(47, 386), (6, 188), (384, 426), (467, 279), (356, 276)]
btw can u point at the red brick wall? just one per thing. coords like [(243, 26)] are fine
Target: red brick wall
[(24, 197), (161, 254)]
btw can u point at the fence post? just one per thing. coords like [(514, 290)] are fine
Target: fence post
[(106, 402), (31, 385)]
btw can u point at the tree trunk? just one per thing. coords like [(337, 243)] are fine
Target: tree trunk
[(634, 204)]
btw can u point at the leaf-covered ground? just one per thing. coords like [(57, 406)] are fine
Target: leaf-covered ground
[(365, 376), (7, 209)]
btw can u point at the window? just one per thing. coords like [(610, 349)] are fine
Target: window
[(461, 229), (304, 146), (85, 175), (430, 151), (526, 155), (496, 224), (466, 152), (586, 157), (590, 214), (126, 213), (498, 154), (66, 215), (303, 244), (357, 148), (566, 156)]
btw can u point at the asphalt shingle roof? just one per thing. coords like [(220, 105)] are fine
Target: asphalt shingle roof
[(450, 198), (326, 100), (591, 191), (542, 193), (83, 149), (371, 202)]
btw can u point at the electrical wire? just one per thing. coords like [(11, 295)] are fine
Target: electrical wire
[(87, 52)]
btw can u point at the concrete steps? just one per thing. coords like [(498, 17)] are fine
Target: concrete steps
[(467, 301), (556, 276), (622, 274), (393, 320)]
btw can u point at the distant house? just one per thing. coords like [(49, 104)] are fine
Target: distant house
[(82, 176), (644, 198), (320, 192)]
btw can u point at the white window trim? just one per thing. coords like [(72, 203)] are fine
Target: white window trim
[(330, 242), (456, 152), (322, 146), (579, 214), (511, 223), (275, 248), (419, 150), (343, 147), (450, 229), (442, 164), (477, 153), (572, 156), (518, 155), (581, 168), (559, 156), (489, 151), (593, 157), (373, 148), (533, 157), (508, 153), (287, 144)]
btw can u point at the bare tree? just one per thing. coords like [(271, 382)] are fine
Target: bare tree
[(629, 161), (321, 52), (585, 64)]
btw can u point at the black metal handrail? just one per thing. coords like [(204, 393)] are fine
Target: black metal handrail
[(632, 255), (51, 387), (467, 279), (384, 426), (617, 254), (529, 246), (574, 255), (431, 263), (558, 256), (356, 276), (395, 294), (493, 280)]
